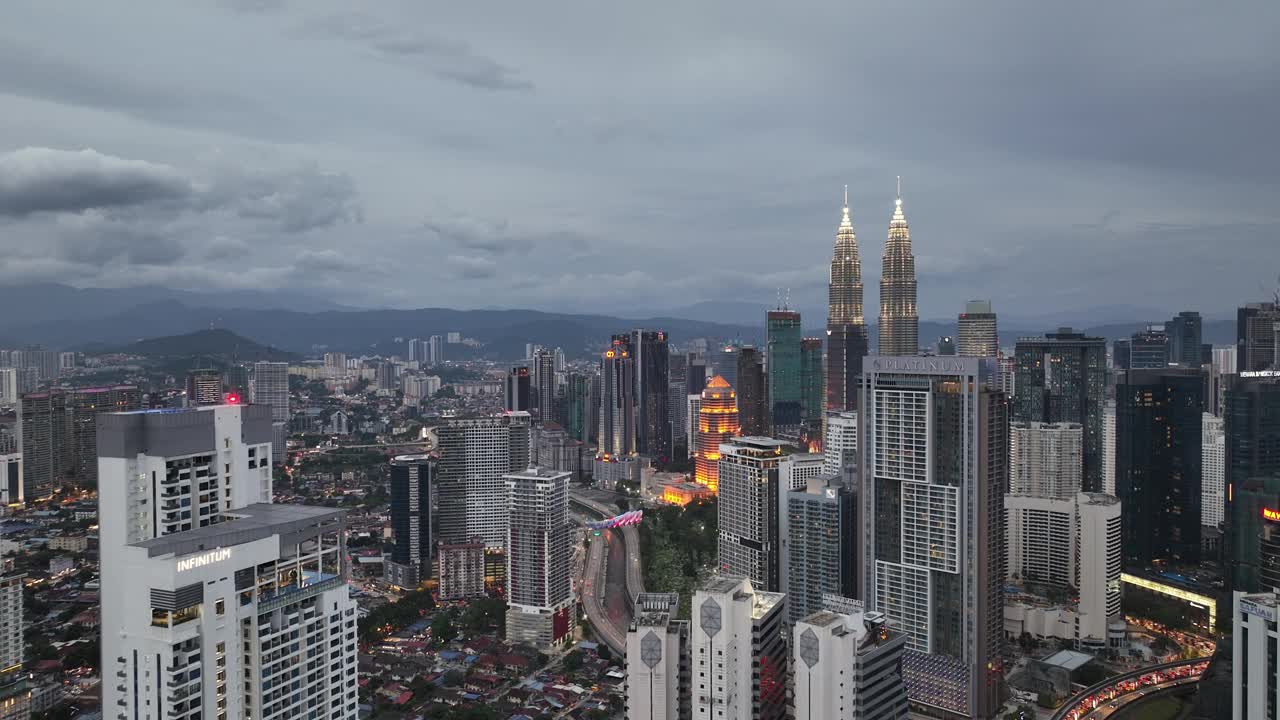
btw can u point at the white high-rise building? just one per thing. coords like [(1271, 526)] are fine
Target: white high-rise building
[(934, 453), (435, 350), (11, 490), (9, 385), (15, 690), (1069, 543), (738, 652), (1045, 459), (976, 334), (840, 445), (220, 604), (750, 494), (1224, 359), (1255, 645), (798, 469), (848, 666), (1109, 448), (471, 496), (271, 388), (1213, 450), (657, 660), (694, 404), (539, 556)]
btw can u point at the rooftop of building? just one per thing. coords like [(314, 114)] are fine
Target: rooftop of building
[(410, 459), (539, 473), (807, 457), (250, 523), (1091, 498), (1069, 659)]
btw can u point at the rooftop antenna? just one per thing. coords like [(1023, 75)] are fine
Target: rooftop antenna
[(846, 196), (786, 302), (899, 189)]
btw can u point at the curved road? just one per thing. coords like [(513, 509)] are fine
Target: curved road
[(1112, 694), (611, 575)]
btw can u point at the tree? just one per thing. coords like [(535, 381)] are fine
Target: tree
[(442, 628), (604, 652), (573, 661), (1046, 700)]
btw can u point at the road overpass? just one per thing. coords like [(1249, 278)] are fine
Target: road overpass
[(600, 577), (1113, 694)]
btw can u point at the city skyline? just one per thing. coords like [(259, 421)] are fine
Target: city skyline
[(247, 179)]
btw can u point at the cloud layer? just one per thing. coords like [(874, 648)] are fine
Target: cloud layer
[(573, 156)]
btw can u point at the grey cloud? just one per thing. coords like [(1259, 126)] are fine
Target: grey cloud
[(299, 200), (326, 261), (37, 179), (446, 58), (472, 267)]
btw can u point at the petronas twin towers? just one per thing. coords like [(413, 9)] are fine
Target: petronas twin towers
[(846, 328)]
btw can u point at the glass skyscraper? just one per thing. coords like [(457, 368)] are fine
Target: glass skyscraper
[(784, 368)]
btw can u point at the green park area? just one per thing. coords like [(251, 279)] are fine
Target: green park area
[(678, 548)]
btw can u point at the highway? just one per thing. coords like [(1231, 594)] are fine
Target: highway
[(1113, 694), (611, 577)]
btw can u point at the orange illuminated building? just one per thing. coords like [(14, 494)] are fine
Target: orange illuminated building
[(717, 423)]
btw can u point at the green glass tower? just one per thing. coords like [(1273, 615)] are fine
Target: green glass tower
[(784, 364), (811, 400)]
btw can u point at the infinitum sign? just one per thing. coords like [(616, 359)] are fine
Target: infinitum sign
[(203, 559)]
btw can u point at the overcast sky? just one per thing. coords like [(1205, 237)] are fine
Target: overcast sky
[(608, 156)]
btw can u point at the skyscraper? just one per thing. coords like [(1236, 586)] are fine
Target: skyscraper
[(617, 398), (976, 334), (717, 423), (899, 319), (696, 372), (539, 557), (1184, 332), (1158, 431), (217, 599), (1213, 453), (658, 677), (435, 350), (677, 391), (579, 408), (410, 561), (848, 665), (204, 387), (1109, 447), (58, 434), (12, 488), (1251, 419), (516, 390), (271, 388), (15, 689), (753, 396), (739, 651), (1045, 459), (946, 345), (1256, 336), (1062, 377), (543, 390), (819, 543), (935, 461), (724, 362), (812, 398), (840, 444), (751, 494), (784, 369), (846, 326), (1149, 349), (475, 454), (653, 426)]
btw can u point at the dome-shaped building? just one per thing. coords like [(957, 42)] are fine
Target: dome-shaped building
[(717, 423)]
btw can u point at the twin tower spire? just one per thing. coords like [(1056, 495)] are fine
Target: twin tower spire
[(899, 319)]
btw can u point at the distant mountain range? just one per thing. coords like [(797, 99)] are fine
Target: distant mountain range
[(62, 317), (216, 343)]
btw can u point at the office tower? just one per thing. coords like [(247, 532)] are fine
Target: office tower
[(784, 368), (271, 388), (753, 396), (58, 434), (221, 604), (1148, 349), (840, 444), (724, 362), (617, 398), (677, 391), (748, 510), (385, 375), (1184, 333), (696, 372), (1213, 454), (1062, 377), (1251, 423), (418, 350), (453, 337), (653, 429), (1256, 336), (739, 667), (946, 346), (16, 382), (1158, 431), (694, 405), (812, 399), (1045, 459), (84, 406), (1215, 384), (516, 391), (8, 441), (411, 542), (11, 484), (539, 557), (717, 423), (846, 326), (1109, 447), (544, 384), (435, 350), (819, 543), (848, 666), (1007, 370), (1255, 648), (935, 454), (204, 387), (553, 449), (580, 409), (799, 468), (1097, 573), (471, 495), (560, 362), (460, 570), (236, 380), (976, 334), (15, 690), (899, 319), (658, 673)]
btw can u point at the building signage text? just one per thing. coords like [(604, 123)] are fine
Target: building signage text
[(209, 558)]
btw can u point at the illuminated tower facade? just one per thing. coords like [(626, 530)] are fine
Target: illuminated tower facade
[(846, 329), (717, 423), (899, 320)]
